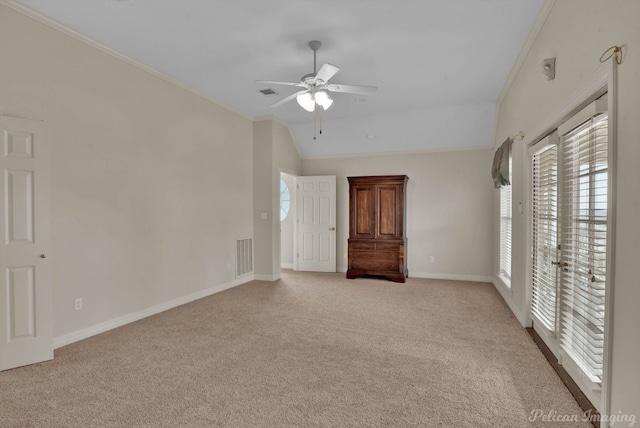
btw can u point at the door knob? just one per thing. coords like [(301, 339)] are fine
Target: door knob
[(43, 256), (332, 228)]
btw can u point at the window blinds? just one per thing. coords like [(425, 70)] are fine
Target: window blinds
[(584, 244), (545, 236), (505, 232)]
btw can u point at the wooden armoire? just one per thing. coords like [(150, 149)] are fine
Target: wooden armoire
[(377, 227)]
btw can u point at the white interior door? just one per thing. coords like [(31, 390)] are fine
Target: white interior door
[(316, 224), (26, 335)]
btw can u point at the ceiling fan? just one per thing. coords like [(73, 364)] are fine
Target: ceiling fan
[(315, 86)]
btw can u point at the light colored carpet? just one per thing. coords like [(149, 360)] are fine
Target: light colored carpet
[(310, 350)]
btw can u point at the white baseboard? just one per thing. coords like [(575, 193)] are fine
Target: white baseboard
[(430, 275), (454, 277), (67, 339), (263, 277), (286, 266), (507, 297)]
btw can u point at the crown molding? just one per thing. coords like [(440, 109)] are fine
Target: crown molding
[(404, 153), (37, 16)]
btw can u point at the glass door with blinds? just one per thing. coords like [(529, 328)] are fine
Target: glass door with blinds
[(570, 206), (545, 249), (584, 245)]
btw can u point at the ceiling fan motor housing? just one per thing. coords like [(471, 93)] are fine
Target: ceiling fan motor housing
[(315, 44), (310, 79)]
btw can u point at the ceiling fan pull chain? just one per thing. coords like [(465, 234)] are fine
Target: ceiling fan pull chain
[(314, 115), (315, 106)]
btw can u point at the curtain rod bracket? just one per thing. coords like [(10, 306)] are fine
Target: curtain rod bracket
[(613, 51)]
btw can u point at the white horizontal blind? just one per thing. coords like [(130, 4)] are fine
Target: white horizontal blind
[(584, 244), (545, 236), (505, 232)]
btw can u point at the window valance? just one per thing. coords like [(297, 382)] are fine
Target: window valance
[(501, 164)]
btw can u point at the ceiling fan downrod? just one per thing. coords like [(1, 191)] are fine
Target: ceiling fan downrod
[(315, 45)]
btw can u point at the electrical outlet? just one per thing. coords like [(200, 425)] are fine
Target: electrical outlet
[(78, 303), (432, 259)]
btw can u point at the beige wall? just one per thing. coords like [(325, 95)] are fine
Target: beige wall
[(285, 159), (577, 32), (274, 152), (449, 208), (262, 199), (151, 184)]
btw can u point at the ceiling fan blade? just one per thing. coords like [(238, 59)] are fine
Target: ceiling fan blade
[(298, 84), (352, 89), (327, 71), (289, 98)]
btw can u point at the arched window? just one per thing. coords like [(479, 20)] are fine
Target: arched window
[(285, 200)]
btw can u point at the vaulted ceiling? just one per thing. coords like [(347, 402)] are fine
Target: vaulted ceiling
[(439, 65)]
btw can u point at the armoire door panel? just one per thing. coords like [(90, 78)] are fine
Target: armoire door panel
[(363, 207), (387, 212)]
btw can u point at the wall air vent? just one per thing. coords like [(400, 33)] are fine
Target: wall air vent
[(244, 257), (268, 91)]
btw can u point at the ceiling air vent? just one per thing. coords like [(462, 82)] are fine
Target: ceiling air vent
[(268, 91)]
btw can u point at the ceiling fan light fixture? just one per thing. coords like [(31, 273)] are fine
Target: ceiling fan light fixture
[(306, 101), (323, 99)]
